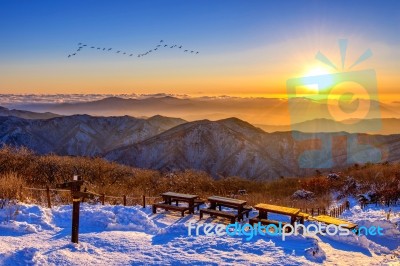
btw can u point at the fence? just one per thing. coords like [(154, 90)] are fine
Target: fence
[(335, 212), (49, 196), (314, 211)]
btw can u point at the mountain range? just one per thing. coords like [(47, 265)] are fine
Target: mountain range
[(227, 147)]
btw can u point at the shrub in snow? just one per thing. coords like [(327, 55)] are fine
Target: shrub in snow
[(303, 194), (350, 185), (333, 176)]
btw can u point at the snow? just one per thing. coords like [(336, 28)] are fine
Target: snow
[(118, 235)]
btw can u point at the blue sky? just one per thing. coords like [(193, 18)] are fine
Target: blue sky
[(40, 34)]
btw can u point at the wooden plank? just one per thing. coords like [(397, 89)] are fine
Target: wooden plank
[(170, 207), (179, 195), (303, 215), (332, 220), (224, 214), (219, 199), (277, 209)]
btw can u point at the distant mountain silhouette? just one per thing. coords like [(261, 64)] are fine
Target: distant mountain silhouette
[(26, 114), (384, 126), (260, 111)]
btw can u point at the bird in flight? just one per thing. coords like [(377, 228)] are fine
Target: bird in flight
[(161, 44)]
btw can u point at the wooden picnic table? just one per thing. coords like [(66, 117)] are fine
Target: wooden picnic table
[(264, 209), (169, 197), (217, 201), (332, 220)]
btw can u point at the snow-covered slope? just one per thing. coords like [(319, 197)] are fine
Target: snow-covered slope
[(117, 235)]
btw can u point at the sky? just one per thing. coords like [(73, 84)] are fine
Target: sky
[(246, 48)]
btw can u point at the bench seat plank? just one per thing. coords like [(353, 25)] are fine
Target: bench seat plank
[(169, 207), (224, 214)]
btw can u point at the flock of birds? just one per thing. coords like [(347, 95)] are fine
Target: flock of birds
[(159, 46)]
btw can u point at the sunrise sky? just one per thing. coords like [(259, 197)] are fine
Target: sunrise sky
[(247, 48)]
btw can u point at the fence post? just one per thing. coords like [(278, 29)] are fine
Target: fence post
[(20, 193), (124, 200), (103, 198), (318, 211), (144, 201), (48, 197), (312, 211)]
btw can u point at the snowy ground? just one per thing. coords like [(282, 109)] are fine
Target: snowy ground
[(117, 235)]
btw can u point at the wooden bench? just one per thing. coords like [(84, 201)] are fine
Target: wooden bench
[(245, 211), (256, 220), (213, 212), (336, 221), (169, 207)]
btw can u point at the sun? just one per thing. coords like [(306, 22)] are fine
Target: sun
[(314, 71)]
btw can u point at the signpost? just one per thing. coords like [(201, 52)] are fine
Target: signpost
[(77, 195)]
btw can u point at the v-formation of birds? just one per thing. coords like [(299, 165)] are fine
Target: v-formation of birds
[(159, 46)]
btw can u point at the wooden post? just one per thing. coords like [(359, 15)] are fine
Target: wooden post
[(75, 219), (20, 193), (318, 211), (144, 201), (312, 211), (124, 200), (103, 198), (48, 197)]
